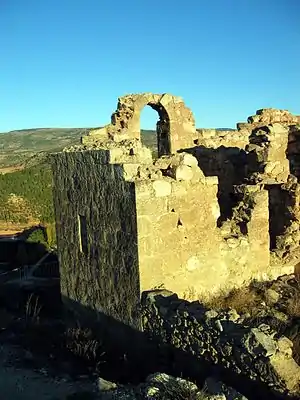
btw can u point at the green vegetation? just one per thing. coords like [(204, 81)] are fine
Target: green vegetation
[(38, 235), (26, 195), (18, 146), (30, 146)]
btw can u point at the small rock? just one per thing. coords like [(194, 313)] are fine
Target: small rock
[(285, 346), (211, 314), (233, 315), (271, 296), (104, 385), (162, 386), (189, 160), (162, 188), (184, 173), (233, 243), (259, 343)]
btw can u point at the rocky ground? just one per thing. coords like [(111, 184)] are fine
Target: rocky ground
[(33, 364), (275, 303), (48, 361), (20, 383)]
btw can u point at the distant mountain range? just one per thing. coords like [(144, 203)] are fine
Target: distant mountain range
[(28, 146)]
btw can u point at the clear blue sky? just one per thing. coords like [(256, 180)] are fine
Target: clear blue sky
[(64, 63)]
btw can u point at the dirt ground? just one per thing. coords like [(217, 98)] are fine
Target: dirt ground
[(19, 383)]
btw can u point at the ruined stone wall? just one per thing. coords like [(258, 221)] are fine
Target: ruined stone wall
[(267, 158), (246, 234), (175, 128), (293, 149), (178, 238), (101, 274), (181, 247), (214, 138), (229, 165), (284, 209), (223, 340), (188, 221)]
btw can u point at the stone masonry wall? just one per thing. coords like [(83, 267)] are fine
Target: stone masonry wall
[(189, 221), (104, 276), (214, 138), (267, 154), (181, 247), (284, 211), (177, 239), (177, 233), (223, 340), (293, 150), (175, 128)]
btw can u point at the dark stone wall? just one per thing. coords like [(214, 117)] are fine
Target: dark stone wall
[(102, 273)]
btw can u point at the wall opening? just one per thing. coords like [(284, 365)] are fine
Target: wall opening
[(82, 229), (155, 129), (293, 150)]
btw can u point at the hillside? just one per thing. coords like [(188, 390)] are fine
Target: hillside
[(25, 175), (29, 146), (18, 146)]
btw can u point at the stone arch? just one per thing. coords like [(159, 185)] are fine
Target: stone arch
[(162, 129), (175, 128)]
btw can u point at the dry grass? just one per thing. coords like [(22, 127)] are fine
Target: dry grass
[(82, 344), (33, 308), (243, 300), (248, 301)]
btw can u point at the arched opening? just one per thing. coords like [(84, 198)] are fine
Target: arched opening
[(155, 133)]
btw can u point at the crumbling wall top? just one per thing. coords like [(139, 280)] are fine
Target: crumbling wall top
[(266, 116), (175, 128)]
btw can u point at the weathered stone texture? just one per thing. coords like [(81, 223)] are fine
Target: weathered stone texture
[(293, 150), (213, 138), (285, 217), (223, 340), (229, 165), (175, 128), (105, 277), (195, 220), (247, 233), (268, 116), (177, 233), (267, 158)]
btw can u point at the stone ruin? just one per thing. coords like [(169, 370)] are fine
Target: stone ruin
[(214, 211)]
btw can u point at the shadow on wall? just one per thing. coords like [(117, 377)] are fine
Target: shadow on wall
[(293, 150), (280, 212), (132, 355), (228, 164), (16, 253)]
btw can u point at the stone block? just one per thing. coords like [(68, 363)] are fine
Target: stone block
[(183, 173), (162, 188)]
